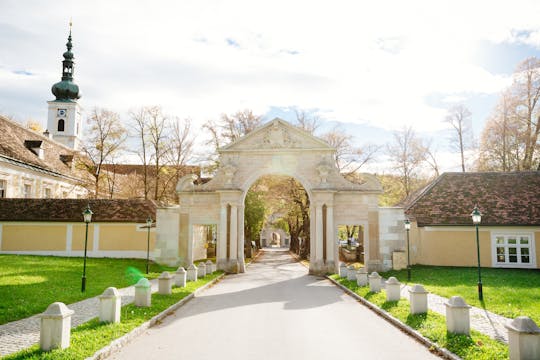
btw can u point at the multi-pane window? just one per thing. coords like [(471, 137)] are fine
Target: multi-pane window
[(3, 185), (514, 250), (27, 191), (47, 193)]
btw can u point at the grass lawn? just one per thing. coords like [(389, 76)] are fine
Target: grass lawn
[(90, 337), (28, 284), (433, 326), (507, 292)]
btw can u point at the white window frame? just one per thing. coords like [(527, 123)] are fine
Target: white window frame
[(517, 234), (29, 194)]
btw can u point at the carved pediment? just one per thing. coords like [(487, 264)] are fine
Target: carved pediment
[(277, 134)]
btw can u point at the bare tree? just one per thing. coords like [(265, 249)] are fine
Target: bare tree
[(306, 122), (459, 117), (105, 137), (406, 154), (430, 156), (140, 121), (157, 130)]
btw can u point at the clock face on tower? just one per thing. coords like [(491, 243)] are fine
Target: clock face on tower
[(61, 112)]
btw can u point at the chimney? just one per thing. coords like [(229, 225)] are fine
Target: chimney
[(47, 134)]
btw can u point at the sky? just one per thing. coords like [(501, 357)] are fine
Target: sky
[(369, 67)]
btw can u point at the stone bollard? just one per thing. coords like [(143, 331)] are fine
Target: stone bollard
[(523, 339), (342, 270), (165, 281), (201, 271), (457, 316), (418, 299), (55, 327), (110, 303), (192, 273), (374, 282), (361, 277), (393, 289), (180, 277), (143, 293), (209, 267), (351, 273)]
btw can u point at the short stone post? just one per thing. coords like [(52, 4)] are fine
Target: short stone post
[(418, 299), (165, 281), (192, 273), (209, 267), (55, 327), (457, 316), (201, 271), (180, 277), (361, 277), (374, 282), (110, 303), (523, 339), (143, 293), (393, 289), (342, 270), (351, 273)]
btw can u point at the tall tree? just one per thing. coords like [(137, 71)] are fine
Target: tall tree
[(139, 119), (459, 118), (106, 134), (406, 153)]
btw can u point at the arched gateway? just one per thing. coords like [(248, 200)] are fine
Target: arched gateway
[(281, 149)]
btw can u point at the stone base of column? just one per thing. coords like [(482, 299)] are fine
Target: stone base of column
[(169, 260), (241, 266), (373, 265), (331, 267), (317, 267), (230, 266)]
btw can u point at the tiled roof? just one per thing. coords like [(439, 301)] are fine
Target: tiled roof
[(70, 210), (15, 144), (503, 199)]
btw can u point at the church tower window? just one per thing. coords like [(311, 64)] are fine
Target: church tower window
[(61, 125)]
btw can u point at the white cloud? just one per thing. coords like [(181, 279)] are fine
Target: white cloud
[(359, 62)]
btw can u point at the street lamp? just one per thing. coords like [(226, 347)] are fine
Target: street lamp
[(408, 227), (476, 219), (148, 226), (87, 216)]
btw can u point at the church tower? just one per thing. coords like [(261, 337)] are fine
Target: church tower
[(64, 121)]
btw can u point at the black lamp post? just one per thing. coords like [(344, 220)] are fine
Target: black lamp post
[(87, 216), (408, 227), (477, 218), (148, 226)]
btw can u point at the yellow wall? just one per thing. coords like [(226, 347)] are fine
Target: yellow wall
[(124, 237), (455, 247), (78, 236), (33, 238)]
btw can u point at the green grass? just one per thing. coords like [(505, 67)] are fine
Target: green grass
[(28, 284), (433, 326), (507, 292), (90, 337)]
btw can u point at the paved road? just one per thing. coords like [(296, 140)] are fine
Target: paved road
[(274, 311)]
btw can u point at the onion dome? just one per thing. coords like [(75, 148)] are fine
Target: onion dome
[(67, 90)]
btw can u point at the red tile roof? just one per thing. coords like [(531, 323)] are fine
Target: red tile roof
[(70, 210), (503, 199)]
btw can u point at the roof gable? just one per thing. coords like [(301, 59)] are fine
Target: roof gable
[(503, 199), (277, 135)]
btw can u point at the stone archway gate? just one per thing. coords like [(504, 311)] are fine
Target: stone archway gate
[(281, 149)]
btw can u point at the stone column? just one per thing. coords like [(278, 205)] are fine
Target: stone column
[(319, 262), (109, 305), (143, 293), (221, 252), (165, 283), (523, 339), (393, 292), (312, 239), (330, 240), (418, 299), (361, 277), (241, 240), (180, 277), (55, 327), (457, 316), (233, 261), (374, 282), (201, 270)]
